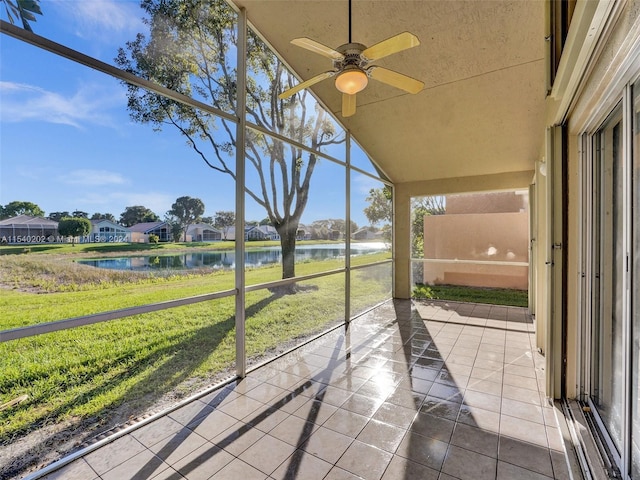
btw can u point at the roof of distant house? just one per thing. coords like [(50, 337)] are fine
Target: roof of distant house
[(104, 220), (266, 229), (146, 226), (28, 220), (202, 225)]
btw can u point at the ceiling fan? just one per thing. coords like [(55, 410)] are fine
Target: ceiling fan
[(352, 69)]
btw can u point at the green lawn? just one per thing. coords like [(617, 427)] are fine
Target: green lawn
[(494, 296), (86, 374)]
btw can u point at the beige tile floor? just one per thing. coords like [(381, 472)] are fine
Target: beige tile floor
[(409, 391)]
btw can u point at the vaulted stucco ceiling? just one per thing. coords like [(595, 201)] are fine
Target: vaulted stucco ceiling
[(482, 109)]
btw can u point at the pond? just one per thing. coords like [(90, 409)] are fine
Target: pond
[(227, 259)]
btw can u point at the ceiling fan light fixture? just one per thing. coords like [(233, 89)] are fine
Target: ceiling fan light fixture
[(351, 80)]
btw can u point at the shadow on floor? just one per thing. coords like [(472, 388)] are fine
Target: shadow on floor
[(431, 390)]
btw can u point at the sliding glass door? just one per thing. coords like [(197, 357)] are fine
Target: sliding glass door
[(634, 262), (607, 369), (611, 286)]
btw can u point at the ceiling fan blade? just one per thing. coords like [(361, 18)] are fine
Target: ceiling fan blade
[(307, 84), (395, 79), (348, 104), (318, 48), (391, 45)]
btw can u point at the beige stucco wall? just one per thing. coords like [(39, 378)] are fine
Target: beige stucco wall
[(456, 240), (491, 202), (402, 212), (138, 237)]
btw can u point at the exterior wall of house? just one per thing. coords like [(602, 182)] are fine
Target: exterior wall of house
[(139, 237)]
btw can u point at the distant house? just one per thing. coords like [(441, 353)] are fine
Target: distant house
[(28, 229), (108, 231), (203, 232), (365, 234), (303, 233), (335, 235), (267, 232), (262, 232), (141, 231), (231, 232)]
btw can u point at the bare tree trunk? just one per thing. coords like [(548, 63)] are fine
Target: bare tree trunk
[(287, 234)]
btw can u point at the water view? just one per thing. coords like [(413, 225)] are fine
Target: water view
[(227, 259)]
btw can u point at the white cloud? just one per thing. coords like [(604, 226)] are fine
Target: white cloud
[(94, 18), (93, 178), (364, 183), (88, 105)]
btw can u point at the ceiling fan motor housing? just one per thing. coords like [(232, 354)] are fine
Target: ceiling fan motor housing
[(352, 56)]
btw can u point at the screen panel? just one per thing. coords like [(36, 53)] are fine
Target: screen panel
[(295, 209), (281, 318), (87, 380)]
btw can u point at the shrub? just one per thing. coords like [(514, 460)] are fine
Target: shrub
[(423, 291)]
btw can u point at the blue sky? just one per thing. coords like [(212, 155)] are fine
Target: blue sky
[(67, 143)]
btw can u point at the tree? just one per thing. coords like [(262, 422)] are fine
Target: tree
[(103, 216), (422, 206), (186, 210), (380, 209), (417, 230), (15, 208), (74, 227), (224, 220), (340, 225), (380, 206), (189, 51), (320, 230), (137, 214), (57, 216), (80, 214), (174, 226), (23, 9), (434, 204)]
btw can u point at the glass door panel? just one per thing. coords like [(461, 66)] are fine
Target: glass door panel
[(607, 355)]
